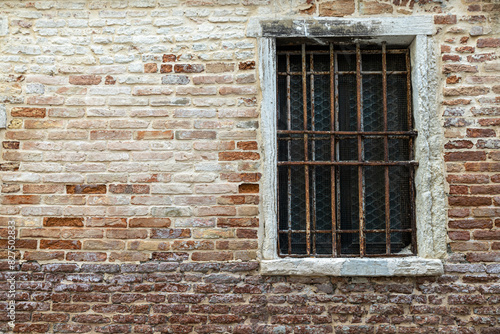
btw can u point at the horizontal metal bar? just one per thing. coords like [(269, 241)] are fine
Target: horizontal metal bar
[(343, 72), (348, 163), (349, 231), (339, 52), (344, 255), (351, 133)]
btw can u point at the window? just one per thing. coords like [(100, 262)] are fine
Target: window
[(419, 243), (345, 150)]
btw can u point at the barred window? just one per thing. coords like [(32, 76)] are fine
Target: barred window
[(345, 160)]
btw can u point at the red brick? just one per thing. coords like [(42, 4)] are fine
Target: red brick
[(43, 256), (445, 19), (165, 68), (189, 68), (247, 145), (247, 65), (62, 221), (84, 79), (336, 8), (471, 224), (86, 256), (10, 145), (20, 199), (129, 189), (232, 156), (468, 178), (469, 246), (147, 135), (458, 144), (488, 42), (212, 256), (459, 235), (109, 80), (489, 189), (465, 49), (28, 112), (452, 79), (475, 133), (86, 189), (248, 188), (149, 222), (486, 235), (237, 222), (465, 156), (60, 244), (469, 201), (454, 68), (459, 190), (150, 68), (484, 257)]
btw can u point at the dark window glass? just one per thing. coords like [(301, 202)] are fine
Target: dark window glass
[(345, 152)]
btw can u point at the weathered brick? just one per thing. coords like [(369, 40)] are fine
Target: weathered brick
[(85, 79)]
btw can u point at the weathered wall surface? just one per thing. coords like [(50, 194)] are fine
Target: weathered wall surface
[(131, 166)]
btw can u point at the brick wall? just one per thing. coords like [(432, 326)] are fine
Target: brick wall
[(132, 160)]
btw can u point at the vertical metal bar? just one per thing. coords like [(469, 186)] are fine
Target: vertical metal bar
[(337, 157), (360, 152), (386, 153), (411, 157), (333, 93), (289, 155), (306, 153), (313, 155)]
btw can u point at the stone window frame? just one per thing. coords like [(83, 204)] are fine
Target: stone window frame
[(429, 178)]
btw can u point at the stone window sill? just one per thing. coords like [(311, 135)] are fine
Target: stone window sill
[(404, 266)]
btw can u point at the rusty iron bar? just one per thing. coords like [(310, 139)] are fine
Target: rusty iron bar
[(411, 143), (313, 154), (386, 154), (353, 231), (306, 153), (341, 52), (360, 152), (342, 73), (352, 133), (333, 112), (344, 255), (289, 154), (348, 163)]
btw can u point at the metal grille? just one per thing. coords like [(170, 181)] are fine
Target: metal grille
[(345, 152)]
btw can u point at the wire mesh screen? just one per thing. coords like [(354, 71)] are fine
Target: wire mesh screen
[(345, 152)]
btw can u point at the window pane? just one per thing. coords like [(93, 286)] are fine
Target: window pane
[(348, 198), (374, 149), (399, 183), (396, 62), (373, 108), (374, 197), (348, 149), (322, 117), (347, 117), (375, 243), (346, 62), (282, 104), (399, 149), (397, 115), (349, 244), (323, 243), (296, 103), (322, 197), (297, 198), (371, 62)]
